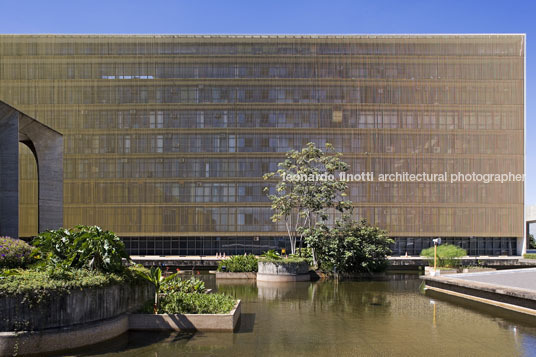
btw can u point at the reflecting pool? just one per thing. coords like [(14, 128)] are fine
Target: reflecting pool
[(386, 317)]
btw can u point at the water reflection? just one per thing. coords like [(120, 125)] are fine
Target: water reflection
[(326, 318)]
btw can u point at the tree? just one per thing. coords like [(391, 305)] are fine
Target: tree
[(532, 242), (349, 246), (155, 277), (308, 187)]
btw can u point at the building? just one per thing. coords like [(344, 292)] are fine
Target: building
[(167, 137)]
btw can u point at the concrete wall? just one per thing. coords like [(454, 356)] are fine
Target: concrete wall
[(283, 268), (185, 322), (283, 271), (47, 147), (9, 172), (78, 307)]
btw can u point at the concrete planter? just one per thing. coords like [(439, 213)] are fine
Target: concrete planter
[(440, 271), (68, 321), (283, 271), (185, 322), (73, 308), (243, 275)]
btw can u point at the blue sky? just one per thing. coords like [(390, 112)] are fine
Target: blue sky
[(288, 17)]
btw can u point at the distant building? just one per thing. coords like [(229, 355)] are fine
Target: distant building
[(167, 137)]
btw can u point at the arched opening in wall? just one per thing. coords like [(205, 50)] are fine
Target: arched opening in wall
[(28, 193)]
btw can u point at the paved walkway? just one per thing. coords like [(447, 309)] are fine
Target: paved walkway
[(517, 278)]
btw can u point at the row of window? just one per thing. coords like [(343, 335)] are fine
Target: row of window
[(507, 45), (214, 192), (495, 219), (425, 143), (134, 168), (384, 118), (203, 245), (341, 68), (474, 246), (392, 93)]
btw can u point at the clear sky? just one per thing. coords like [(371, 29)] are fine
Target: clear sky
[(287, 17)]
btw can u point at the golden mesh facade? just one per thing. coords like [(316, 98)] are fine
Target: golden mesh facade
[(167, 137)]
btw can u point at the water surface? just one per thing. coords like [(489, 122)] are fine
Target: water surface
[(387, 317)]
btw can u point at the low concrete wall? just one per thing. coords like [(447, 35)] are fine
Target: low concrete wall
[(485, 293), (283, 271), (57, 339), (74, 308), (185, 322), (283, 278), (228, 275), (440, 271), (415, 262)]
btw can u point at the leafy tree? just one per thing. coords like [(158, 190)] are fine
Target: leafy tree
[(308, 187), (349, 246)]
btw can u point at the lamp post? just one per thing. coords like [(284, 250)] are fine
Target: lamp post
[(437, 242)]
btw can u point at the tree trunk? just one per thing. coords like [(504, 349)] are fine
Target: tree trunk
[(293, 245)]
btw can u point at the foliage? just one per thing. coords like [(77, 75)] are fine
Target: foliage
[(532, 242), (155, 277), (178, 285), (274, 257), (529, 256), (184, 303), (34, 286), (290, 259), (308, 187), (271, 255), (446, 255), (349, 246), (239, 263), (305, 253), (14, 253), (81, 247)]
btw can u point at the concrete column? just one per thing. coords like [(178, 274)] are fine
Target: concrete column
[(9, 172)]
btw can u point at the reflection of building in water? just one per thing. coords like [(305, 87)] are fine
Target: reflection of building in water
[(167, 137)]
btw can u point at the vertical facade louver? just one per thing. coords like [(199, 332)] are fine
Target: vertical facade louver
[(167, 137)]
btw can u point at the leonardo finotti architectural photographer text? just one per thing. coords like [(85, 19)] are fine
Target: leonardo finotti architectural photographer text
[(409, 177)]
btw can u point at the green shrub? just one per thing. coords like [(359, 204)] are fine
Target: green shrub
[(184, 303), (34, 286), (349, 246), (271, 255), (81, 247), (14, 253), (529, 256), (306, 253), (289, 259), (239, 264), (155, 277), (446, 255), (178, 285)]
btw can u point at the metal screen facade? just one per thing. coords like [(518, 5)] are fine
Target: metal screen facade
[(167, 137)]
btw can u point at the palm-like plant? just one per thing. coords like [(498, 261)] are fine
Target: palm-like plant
[(155, 277)]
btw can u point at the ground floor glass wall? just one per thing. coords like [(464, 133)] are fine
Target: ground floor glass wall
[(257, 245)]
